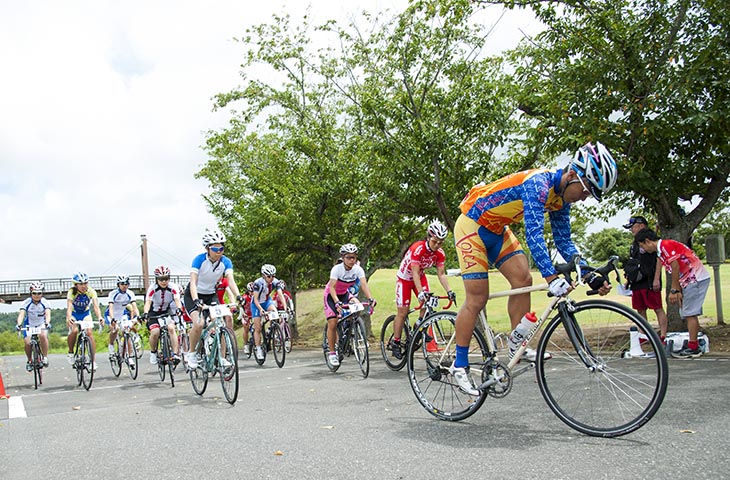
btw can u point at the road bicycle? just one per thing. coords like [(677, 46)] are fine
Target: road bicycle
[(284, 316), (217, 352), (272, 338), (352, 339), (592, 378), (83, 361), (183, 339), (36, 356), (166, 361), (125, 350), (387, 346)]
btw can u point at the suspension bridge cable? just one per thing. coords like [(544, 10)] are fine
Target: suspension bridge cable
[(119, 262)]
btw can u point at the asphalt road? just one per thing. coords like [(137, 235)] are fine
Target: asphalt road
[(303, 422)]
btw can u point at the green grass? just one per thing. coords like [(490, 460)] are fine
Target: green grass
[(310, 314)]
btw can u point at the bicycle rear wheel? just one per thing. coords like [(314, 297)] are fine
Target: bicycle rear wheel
[(286, 335), (116, 359), (360, 347), (139, 344), (130, 357), (37, 362), (198, 375), (277, 345), (386, 344), (326, 350), (229, 372), (622, 382), (87, 364), (428, 368)]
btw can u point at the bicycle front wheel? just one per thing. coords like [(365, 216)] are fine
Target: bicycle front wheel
[(199, 375), (139, 344), (228, 365), (162, 350), (130, 357), (87, 364), (37, 363), (608, 378), (431, 352), (277, 345), (286, 334), (115, 358), (387, 348), (360, 347)]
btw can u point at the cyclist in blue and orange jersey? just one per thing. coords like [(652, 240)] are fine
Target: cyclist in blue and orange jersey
[(261, 300), (206, 271), (119, 299), (246, 315), (483, 237), (80, 298), (411, 277), (35, 312), (162, 299), (344, 275)]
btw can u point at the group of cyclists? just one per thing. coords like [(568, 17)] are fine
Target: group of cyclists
[(482, 238)]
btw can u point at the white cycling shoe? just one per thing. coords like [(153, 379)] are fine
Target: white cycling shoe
[(462, 380)]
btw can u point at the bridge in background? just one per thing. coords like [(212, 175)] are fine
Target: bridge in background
[(57, 288)]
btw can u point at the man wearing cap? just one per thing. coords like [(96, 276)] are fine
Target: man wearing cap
[(647, 291)]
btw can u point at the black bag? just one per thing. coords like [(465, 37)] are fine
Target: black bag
[(632, 268)]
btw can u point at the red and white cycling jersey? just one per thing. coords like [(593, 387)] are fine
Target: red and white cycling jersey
[(420, 254)]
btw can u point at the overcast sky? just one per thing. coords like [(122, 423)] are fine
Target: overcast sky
[(104, 105)]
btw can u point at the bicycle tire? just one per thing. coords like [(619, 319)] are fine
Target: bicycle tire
[(229, 375), (386, 347), (277, 345), (198, 375), (170, 361), (184, 340), (429, 363), (326, 350), (78, 360), (130, 357), (264, 347), (161, 364), (286, 334), (623, 391), (87, 363), (37, 363), (359, 341), (115, 359)]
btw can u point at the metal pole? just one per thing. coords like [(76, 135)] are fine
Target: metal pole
[(718, 295), (145, 265)]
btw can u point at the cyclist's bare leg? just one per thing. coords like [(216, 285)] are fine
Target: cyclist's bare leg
[(195, 330), (477, 294), (71, 339), (400, 318), (44, 343), (26, 346), (173, 338), (517, 272), (332, 333), (257, 331), (154, 336), (113, 329)]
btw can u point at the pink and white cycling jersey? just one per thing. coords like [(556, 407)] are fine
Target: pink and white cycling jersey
[(345, 278), (162, 298), (690, 266), (420, 254)]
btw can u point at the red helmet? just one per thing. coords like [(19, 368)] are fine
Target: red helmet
[(162, 271)]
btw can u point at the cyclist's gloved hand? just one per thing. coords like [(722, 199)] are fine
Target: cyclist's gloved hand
[(199, 303), (452, 295), (559, 286), (594, 280), (372, 302), (240, 299), (422, 296), (145, 316), (17, 327), (178, 312)]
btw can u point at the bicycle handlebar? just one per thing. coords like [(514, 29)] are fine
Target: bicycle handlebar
[(574, 265), (440, 297)]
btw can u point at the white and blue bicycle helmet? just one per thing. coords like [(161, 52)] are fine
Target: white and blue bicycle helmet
[(597, 166)]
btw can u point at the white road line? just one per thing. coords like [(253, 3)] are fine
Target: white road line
[(16, 409)]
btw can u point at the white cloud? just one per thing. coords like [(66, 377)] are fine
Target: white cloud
[(104, 105)]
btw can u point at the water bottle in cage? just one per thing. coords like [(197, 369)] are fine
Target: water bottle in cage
[(520, 333)]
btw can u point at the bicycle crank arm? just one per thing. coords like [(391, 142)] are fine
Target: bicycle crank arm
[(521, 370)]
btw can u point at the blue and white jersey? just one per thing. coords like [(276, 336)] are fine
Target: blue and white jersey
[(118, 300), (35, 313), (210, 273), (262, 290)]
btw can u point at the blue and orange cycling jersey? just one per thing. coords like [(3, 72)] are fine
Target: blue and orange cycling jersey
[(525, 195)]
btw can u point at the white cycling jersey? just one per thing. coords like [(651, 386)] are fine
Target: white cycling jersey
[(209, 273), (118, 300), (162, 298), (35, 313)]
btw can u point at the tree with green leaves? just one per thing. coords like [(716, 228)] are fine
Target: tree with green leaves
[(608, 242)]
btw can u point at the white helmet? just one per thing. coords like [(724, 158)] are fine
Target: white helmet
[(36, 287), (268, 270), (124, 279), (213, 236), (80, 277), (348, 248), (597, 166), (438, 230)]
